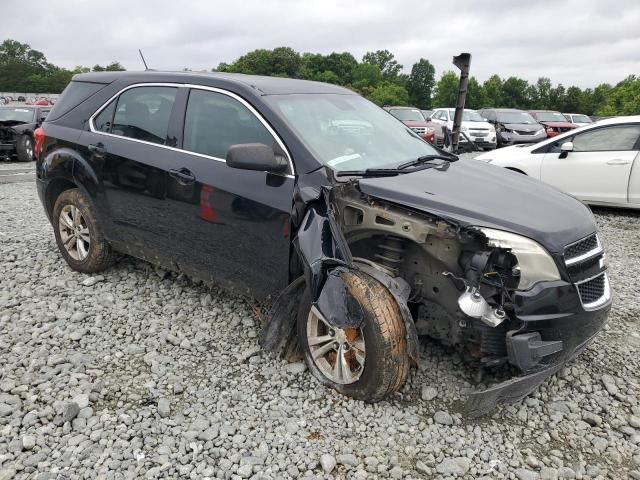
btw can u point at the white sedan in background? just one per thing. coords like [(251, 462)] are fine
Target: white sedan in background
[(599, 163)]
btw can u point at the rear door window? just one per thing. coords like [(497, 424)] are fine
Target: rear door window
[(215, 121), (102, 122), (143, 113)]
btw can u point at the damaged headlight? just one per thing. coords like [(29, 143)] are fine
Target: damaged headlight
[(535, 263)]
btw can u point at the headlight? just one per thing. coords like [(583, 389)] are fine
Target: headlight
[(464, 128), (540, 131), (535, 263)]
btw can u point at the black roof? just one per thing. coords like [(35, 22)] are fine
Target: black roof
[(262, 84)]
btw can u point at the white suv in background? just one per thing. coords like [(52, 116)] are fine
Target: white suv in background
[(474, 126)]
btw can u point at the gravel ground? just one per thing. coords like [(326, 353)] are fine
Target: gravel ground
[(139, 373)]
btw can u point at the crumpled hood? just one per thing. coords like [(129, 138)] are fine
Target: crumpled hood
[(471, 192), (558, 124)]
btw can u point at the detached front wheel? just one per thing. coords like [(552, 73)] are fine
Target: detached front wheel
[(366, 363)]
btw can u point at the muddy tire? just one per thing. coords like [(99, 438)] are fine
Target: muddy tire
[(24, 149), (78, 235), (382, 338)]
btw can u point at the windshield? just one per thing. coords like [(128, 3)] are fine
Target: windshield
[(347, 132), (407, 114), (468, 115), (515, 117), (23, 115), (581, 119), (550, 117)]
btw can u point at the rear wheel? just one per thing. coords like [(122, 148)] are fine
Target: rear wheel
[(366, 363), (25, 148), (78, 235)]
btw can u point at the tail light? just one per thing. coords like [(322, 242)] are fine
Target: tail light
[(39, 137)]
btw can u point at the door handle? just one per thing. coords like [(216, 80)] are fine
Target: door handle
[(183, 176), (618, 161), (98, 149)]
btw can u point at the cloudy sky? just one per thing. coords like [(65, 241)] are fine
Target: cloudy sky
[(575, 42)]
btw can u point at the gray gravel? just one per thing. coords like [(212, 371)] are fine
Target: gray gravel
[(138, 373)]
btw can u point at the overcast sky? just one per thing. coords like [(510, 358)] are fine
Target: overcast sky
[(575, 42)]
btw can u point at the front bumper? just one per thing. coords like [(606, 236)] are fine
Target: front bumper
[(512, 138), (7, 150), (551, 328)]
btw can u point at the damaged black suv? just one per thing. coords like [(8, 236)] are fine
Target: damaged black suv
[(356, 233)]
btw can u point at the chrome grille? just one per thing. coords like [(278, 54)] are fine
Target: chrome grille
[(419, 130), (524, 132), (594, 292), (585, 258), (582, 250)]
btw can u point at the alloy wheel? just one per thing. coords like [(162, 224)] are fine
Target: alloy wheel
[(74, 232), (339, 353)]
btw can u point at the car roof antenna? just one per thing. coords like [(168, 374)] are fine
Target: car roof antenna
[(143, 60)]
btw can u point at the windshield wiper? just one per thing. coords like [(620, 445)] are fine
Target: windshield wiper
[(370, 172), (427, 158)]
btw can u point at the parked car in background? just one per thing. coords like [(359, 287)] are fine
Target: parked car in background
[(474, 126), (554, 123), (513, 126), (351, 235), (578, 119), (598, 163), (17, 127), (413, 118)]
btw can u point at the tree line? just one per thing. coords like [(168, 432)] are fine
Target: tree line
[(23, 69), (378, 76)]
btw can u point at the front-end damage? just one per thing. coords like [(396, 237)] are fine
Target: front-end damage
[(450, 280)]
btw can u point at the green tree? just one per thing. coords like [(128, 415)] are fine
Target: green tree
[(315, 65), (365, 75), (385, 61), (421, 83), (446, 90), (624, 99), (542, 98), (114, 67), (492, 89), (573, 100), (475, 95), (556, 97), (514, 93), (281, 61), (388, 93)]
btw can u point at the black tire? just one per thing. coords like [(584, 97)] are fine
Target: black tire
[(24, 148), (99, 254), (386, 364)]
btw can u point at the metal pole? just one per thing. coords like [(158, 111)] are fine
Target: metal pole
[(463, 62)]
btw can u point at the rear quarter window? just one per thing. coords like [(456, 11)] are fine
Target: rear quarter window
[(72, 96)]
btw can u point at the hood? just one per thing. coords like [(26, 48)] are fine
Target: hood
[(523, 127), (474, 125), (415, 123), (471, 192), (559, 124)]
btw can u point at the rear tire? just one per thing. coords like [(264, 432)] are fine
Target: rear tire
[(24, 148), (382, 334), (78, 235)]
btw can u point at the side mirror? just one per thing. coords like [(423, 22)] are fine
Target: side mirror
[(255, 156), (428, 119), (566, 147)]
